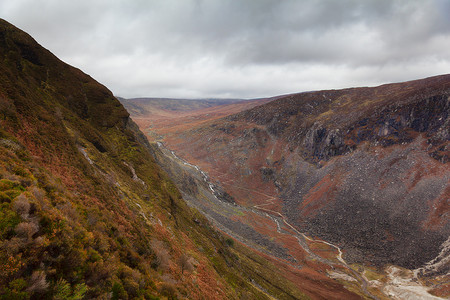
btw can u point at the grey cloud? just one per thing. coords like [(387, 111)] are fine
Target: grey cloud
[(202, 48)]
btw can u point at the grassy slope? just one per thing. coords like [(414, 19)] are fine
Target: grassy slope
[(85, 211)]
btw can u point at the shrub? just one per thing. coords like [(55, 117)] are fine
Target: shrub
[(8, 220), (93, 255), (131, 287), (6, 184), (13, 193), (13, 246), (132, 281), (4, 197), (148, 295), (63, 291), (169, 290), (118, 292), (26, 182), (79, 291), (20, 171), (22, 206), (162, 256), (229, 242), (15, 290), (38, 194), (99, 272), (185, 264), (37, 283), (26, 230)]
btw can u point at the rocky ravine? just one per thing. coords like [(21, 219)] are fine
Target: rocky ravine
[(209, 198), (366, 169), (200, 192)]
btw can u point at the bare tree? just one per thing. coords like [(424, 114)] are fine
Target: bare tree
[(162, 256), (185, 264), (37, 283), (22, 206)]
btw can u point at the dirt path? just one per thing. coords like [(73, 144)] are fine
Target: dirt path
[(305, 246)]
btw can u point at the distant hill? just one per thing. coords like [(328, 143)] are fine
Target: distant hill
[(166, 116), (142, 106)]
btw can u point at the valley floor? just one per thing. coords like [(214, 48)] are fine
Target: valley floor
[(268, 232)]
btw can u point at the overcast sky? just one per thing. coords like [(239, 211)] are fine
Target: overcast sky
[(241, 48)]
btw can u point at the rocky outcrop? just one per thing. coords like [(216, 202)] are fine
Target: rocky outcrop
[(326, 124), (321, 143), (398, 124), (395, 124)]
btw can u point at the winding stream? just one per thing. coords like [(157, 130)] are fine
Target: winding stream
[(302, 239)]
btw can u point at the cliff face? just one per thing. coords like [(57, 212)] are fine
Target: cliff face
[(365, 168), (84, 209), (329, 123)]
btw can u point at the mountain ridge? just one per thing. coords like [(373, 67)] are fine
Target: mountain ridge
[(85, 212)]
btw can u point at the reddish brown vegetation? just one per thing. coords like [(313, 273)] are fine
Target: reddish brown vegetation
[(366, 168)]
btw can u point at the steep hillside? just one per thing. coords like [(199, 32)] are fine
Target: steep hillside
[(84, 209), (366, 169)]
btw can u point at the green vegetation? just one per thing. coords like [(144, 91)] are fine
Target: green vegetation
[(373, 275), (84, 210)]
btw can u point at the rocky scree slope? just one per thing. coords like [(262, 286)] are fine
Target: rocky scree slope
[(84, 210), (364, 168)]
